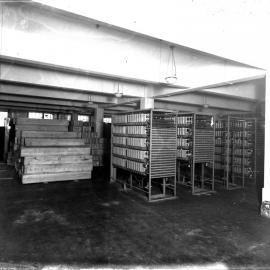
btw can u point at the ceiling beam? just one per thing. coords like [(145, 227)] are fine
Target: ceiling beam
[(221, 95), (118, 109), (200, 88), (21, 107), (71, 70), (126, 101), (211, 100), (51, 92), (45, 101), (19, 74), (41, 107), (191, 108)]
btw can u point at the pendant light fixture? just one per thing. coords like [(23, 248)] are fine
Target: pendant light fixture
[(171, 78), (205, 104), (90, 102), (119, 92)]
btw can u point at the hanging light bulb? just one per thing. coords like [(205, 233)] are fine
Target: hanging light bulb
[(205, 104), (118, 93), (90, 100), (172, 78)]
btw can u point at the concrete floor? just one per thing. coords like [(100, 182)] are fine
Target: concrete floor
[(85, 223)]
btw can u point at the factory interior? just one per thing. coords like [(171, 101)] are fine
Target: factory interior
[(123, 149)]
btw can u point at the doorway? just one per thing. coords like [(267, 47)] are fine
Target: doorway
[(3, 137)]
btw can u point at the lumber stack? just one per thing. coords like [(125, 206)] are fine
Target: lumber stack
[(99, 149), (48, 152), (99, 146)]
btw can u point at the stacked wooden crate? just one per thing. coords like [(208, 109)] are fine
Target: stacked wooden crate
[(48, 152), (99, 148), (76, 127)]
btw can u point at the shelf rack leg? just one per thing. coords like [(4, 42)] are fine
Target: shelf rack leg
[(113, 174), (228, 144), (149, 189), (174, 187), (213, 176), (164, 186), (192, 171), (232, 160), (243, 156), (202, 175), (130, 180), (178, 171)]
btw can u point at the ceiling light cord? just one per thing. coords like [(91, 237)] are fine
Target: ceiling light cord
[(171, 78), (173, 61)]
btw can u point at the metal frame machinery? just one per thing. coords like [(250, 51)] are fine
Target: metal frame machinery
[(235, 150), (143, 152), (195, 152)]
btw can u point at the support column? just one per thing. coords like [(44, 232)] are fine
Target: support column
[(265, 211), (74, 117), (146, 103), (99, 114)]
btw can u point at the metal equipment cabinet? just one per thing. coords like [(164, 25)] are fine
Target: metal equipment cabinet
[(195, 148), (235, 150), (144, 145)]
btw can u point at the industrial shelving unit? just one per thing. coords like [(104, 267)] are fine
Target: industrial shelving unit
[(143, 149), (195, 148), (243, 149), (235, 150), (260, 129), (223, 151)]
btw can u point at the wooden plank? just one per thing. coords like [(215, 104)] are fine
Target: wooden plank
[(49, 134), (53, 177), (20, 128), (43, 122), (58, 159), (57, 168), (53, 142), (40, 151)]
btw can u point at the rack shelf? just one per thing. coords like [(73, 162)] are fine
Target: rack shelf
[(238, 156), (127, 169), (150, 152), (195, 147), (131, 124)]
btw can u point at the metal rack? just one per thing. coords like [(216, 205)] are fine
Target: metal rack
[(260, 129), (235, 150), (143, 152), (195, 148)]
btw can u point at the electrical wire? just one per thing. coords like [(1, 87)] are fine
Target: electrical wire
[(173, 62)]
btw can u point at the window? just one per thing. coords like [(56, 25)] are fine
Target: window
[(62, 116), (40, 115), (35, 115), (107, 120), (3, 116), (83, 118), (48, 116)]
